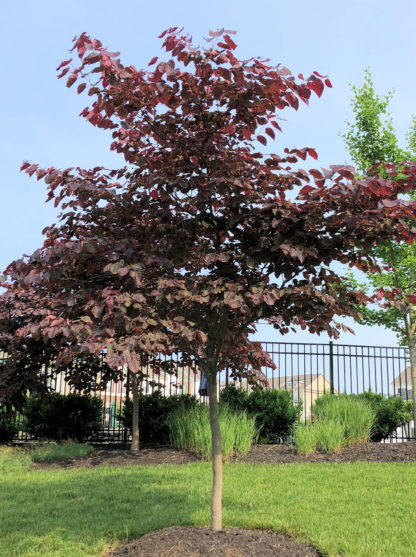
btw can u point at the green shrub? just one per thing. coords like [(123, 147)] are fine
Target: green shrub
[(330, 435), (52, 451), (276, 415), (154, 410), (234, 397), (355, 416), (190, 430), (8, 428), (305, 439), (390, 413), (59, 417)]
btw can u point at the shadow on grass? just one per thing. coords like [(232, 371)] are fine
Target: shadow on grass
[(79, 511)]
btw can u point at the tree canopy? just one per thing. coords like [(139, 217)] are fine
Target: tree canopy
[(372, 140)]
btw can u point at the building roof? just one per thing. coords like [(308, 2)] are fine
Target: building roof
[(306, 379)]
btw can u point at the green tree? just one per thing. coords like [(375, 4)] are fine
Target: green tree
[(371, 139)]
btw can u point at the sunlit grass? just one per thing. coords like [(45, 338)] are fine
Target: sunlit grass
[(351, 509), (54, 451)]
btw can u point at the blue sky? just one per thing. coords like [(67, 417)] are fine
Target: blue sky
[(40, 119)]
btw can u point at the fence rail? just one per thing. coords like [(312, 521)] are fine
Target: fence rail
[(307, 369)]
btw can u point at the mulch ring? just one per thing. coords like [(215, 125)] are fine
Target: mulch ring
[(260, 454), (188, 541)]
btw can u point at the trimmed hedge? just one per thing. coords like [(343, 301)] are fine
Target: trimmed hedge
[(7, 426), (59, 417), (154, 410), (276, 415)]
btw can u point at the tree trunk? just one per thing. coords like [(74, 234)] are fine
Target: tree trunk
[(134, 448), (216, 501), (412, 352)]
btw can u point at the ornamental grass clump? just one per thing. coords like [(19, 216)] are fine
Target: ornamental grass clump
[(330, 436), (305, 439), (339, 421), (190, 430), (354, 416)]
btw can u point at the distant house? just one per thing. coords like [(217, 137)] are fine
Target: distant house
[(402, 384), (306, 387)]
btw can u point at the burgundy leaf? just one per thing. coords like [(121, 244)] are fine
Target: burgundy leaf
[(316, 86), (64, 63), (270, 132)]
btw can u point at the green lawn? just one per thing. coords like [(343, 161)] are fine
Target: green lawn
[(344, 509)]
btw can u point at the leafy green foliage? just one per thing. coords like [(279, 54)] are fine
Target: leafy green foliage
[(390, 413), (370, 139), (235, 398), (371, 136), (8, 428), (154, 411), (274, 411), (190, 430), (59, 417), (52, 451)]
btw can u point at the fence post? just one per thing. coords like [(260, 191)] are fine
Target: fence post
[(331, 367)]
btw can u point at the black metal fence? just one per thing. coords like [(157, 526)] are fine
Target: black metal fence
[(307, 370)]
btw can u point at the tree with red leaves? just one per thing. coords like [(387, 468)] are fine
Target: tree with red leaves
[(196, 238)]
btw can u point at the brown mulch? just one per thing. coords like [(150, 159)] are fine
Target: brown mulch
[(122, 457), (260, 454), (189, 541), (369, 452)]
